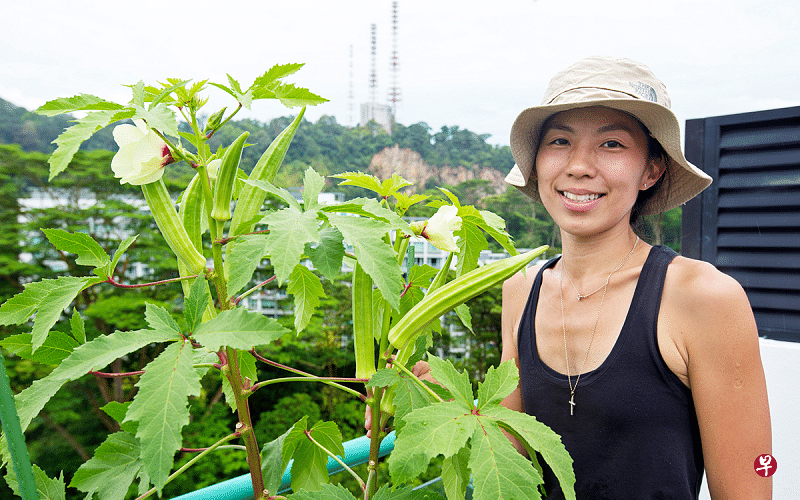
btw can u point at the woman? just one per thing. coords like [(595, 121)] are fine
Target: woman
[(645, 362)]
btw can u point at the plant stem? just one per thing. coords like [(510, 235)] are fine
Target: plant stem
[(116, 375), (338, 460), (190, 463), (117, 284), (325, 380), (307, 375), (248, 292), (418, 381), (375, 441)]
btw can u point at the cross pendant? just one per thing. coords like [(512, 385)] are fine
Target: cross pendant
[(571, 403)]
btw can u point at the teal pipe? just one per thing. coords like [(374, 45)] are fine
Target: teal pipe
[(356, 452)]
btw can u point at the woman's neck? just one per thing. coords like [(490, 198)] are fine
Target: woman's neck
[(586, 258)]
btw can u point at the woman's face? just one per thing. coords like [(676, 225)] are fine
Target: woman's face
[(590, 166)]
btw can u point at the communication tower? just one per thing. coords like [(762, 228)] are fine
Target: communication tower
[(394, 91)]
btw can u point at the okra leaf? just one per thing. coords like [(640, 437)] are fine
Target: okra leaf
[(327, 255), (54, 350), (161, 407), (438, 429), (457, 383), (89, 252), (306, 288), (309, 471), (77, 327), (47, 299), (160, 118), (326, 492), (495, 226), (121, 249), (90, 356), (160, 319), (498, 469), (455, 474), (471, 240), (289, 231), (240, 329), (80, 102), (360, 179), (48, 488), (375, 255), (195, 304), (277, 72), (111, 470), (244, 255), (272, 463), (312, 187), (290, 95)]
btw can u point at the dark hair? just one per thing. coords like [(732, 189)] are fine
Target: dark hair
[(655, 153)]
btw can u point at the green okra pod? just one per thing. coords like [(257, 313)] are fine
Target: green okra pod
[(363, 324), (223, 187), (458, 291)]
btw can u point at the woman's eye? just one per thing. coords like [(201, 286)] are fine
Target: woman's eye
[(612, 144), (559, 142)]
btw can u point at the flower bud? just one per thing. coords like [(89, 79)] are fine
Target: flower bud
[(214, 121)]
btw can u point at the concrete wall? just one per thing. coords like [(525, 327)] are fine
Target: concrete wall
[(782, 369)]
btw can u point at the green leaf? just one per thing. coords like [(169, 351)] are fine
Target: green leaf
[(166, 91), (195, 304), (498, 383), (309, 470), (160, 118), (47, 299), (54, 350), (161, 408), (536, 436), (48, 489), (291, 96), (388, 492), (312, 187), (273, 464), (498, 469), (240, 329), (409, 396), (244, 255), (117, 411), (71, 139), (90, 356), (121, 249), (328, 254), (404, 201), (390, 186), (89, 252), (455, 474), (81, 102), (276, 191), (111, 470), (277, 72), (325, 492), (496, 227), (160, 319), (360, 179), (441, 428), (457, 383), (462, 310), (377, 257), (247, 369), (306, 288), (289, 231), (471, 240), (77, 327)]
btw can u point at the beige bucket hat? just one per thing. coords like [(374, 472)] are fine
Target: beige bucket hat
[(620, 84)]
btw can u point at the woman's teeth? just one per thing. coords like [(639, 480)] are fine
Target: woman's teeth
[(580, 197)]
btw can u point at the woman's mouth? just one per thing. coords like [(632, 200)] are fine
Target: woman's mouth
[(580, 198)]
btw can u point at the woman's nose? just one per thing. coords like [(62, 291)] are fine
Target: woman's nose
[(581, 163)]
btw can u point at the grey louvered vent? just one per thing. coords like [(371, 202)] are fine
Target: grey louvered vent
[(748, 222)]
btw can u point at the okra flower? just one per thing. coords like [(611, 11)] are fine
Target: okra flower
[(438, 230), (142, 154)]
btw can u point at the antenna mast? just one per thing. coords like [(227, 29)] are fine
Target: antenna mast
[(351, 97), (394, 91), (373, 79)]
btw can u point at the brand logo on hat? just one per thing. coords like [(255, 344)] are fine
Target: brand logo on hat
[(644, 90)]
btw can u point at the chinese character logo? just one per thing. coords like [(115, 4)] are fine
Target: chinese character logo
[(765, 465)]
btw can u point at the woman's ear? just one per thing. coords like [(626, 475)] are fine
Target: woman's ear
[(655, 169)]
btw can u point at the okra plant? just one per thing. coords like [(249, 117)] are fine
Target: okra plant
[(221, 230)]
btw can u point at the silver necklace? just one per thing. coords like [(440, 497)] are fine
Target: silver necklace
[(594, 329)]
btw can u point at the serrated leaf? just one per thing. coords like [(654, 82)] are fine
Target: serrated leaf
[(111, 470), (291, 95), (71, 139), (240, 329), (312, 187), (409, 396), (471, 240), (161, 320), (455, 474), (273, 464), (138, 91), (243, 256), (47, 299), (404, 201), (160, 118), (536, 436), (89, 252), (309, 470), (277, 72), (378, 258), (121, 249), (81, 102), (498, 469), (495, 226), (289, 231), (47, 488), (384, 377), (453, 199), (54, 350), (77, 327), (498, 383), (328, 254), (161, 408), (90, 356), (117, 411), (441, 428), (176, 84), (457, 383), (462, 310), (393, 184), (360, 179), (276, 191), (195, 304), (325, 492), (306, 289)]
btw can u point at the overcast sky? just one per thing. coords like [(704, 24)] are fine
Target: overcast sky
[(462, 62)]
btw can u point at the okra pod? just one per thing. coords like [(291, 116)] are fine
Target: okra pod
[(458, 291), (223, 187), (163, 209), (363, 325)]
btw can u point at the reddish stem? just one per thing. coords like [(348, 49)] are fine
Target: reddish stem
[(117, 284), (115, 375)]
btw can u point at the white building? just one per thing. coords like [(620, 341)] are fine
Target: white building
[(379, 113)]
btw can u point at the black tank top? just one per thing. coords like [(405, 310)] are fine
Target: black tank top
[(634, 433)]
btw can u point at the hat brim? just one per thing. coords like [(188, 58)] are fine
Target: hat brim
[(686, 180)]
